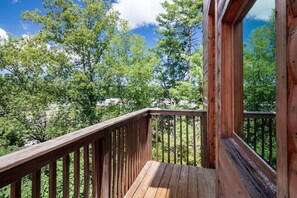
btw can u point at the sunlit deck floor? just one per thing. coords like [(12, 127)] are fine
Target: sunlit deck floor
[(172, 180)]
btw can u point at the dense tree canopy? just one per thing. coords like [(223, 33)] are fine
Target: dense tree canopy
[(52, 82), (178, 46), (260, 68)]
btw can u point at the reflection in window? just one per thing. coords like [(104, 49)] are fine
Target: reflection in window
[(259, 79)]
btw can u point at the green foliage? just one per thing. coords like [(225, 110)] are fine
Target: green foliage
[(83, 32), (177, 48), (130, 71), (177, 141), (191, 91), (260, 69), (52, 82)]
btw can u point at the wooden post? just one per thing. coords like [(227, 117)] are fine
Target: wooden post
[(105, 165), (95, 168), (149, 137), (36, 179), (53, 179), (204, 142), (238, 80), (66, 162), (15, 189), (76, 169)]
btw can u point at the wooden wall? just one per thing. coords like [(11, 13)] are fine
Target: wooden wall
[(290, 160), (223, 98), (208, 75)]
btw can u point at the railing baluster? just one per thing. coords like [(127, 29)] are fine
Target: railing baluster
[(95, 168), (130, 150), (127, 159), (157, 139), (263, 137), (134, 151), (53, 179), (194, 140), (16, 189), (66, 162), (255, 134), (36, 179), (149, 138), (204, 142), (114, 143), (168, 141), (162, 131), (122, 161), (187, 138), (174, 134), (105, 163), (137, 148), (86, 172), (270, 141), (181, 140), (248, 130), (76, 173)]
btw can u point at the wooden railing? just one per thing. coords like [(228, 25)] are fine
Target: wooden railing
[(103, 160), (179, 136), (259, 134), (99, 161)]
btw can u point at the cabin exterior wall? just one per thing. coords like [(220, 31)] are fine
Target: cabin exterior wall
[(287, 97), (224, 105)]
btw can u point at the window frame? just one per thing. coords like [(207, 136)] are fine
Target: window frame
[(231, 16)]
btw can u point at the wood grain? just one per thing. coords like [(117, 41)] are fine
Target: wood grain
[(173, 180), (36, 180), (66, 163), (281, 99), (16, 189)]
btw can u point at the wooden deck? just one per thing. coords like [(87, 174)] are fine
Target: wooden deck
[(173, 180)]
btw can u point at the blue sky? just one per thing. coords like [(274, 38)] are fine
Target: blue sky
[(140, 15)]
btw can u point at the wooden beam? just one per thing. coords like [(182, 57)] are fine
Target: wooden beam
[(281, 98), (238, 79)]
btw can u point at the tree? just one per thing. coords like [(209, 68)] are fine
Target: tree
[(130, 70), (82, 31), (25, 93), (179, 27), (259, 68)]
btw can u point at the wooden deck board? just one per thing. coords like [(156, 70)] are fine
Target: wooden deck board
[(173, 181), (163, 186), (172, 191), (152, 189)]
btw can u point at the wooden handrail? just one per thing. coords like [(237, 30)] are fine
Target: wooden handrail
[(256, 114), (176, 112), (113, 152), (131, 135)]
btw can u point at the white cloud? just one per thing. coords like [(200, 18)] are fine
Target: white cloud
[(261, 10), (139, 12), (3, 36), (14, 1)]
